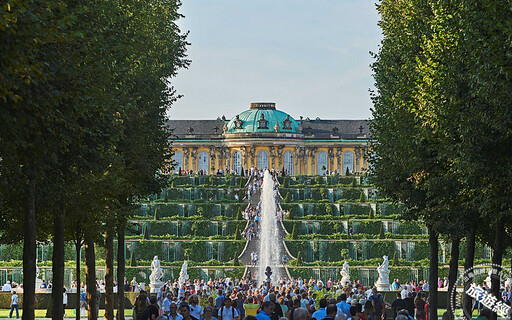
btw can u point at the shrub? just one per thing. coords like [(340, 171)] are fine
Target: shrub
[(145, 232), (133, 261), (347, 172), (238, 235), (395, 259), (362, 197), (287, 198), (299, 259), (156, 212), (295, 232), (354, 182), (239, 215), (286, 182), (381, 234)]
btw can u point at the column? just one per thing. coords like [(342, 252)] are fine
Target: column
[(330, 154), (194, 159), (357, 152), (338, 158), (186, 152), (272, 151)]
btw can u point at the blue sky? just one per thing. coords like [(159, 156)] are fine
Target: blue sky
[(309, 57)]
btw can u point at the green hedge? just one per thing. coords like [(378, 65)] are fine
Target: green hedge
[(324, 250), (194, 250)]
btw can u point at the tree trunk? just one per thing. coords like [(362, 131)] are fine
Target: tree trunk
[(58, 263), (452, 275), (497, 259), (90, 273), (78, 246), (29, 252), (121, 263), (468, 264), (109, 272), (434, 270)]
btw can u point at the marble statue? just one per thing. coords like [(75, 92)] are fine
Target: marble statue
[(345, 274), (38, 280), (37, 270), (183, 273), (383, 270), (156, 271)]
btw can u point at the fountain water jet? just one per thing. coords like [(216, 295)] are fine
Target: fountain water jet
[(270, 241)]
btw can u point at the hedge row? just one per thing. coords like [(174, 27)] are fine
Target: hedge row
[(198, 251), (366, 210), (202, 210), (372, 227), (335, 180), (201, 228), (314, 250), (210, 180)]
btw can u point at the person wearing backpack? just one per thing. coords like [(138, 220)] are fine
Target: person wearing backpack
[(228, 312), (379, 306)]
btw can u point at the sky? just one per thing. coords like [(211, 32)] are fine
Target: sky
[(309, 57)]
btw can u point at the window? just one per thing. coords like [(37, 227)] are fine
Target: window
[(262, 159), (237, 162), (203, 161), (288, 162), (321, 162), (177, 159), (348, 161)]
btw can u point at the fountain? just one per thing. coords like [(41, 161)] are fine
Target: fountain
[(270, 241)]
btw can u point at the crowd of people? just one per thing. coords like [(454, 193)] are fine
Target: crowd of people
[(227, 299)]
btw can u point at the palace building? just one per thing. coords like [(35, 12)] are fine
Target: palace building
[(264, 137)]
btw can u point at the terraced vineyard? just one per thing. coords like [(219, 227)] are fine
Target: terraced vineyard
[(199, 218)]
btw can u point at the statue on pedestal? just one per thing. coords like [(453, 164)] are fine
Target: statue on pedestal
[(156, 275), (383, 270), (345, 274), (183, 273), (38, 280)]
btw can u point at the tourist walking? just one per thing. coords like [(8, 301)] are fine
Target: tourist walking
[(14, 305)]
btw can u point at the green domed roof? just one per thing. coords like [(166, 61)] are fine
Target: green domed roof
[(251, 120)]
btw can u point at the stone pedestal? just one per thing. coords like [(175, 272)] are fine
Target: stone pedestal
[(383, 286), (155, 287)]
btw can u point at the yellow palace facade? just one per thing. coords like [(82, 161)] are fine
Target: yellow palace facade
[(264, 137)]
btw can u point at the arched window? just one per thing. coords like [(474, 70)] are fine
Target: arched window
[(177, 159), (237, 162), (348, 161), (203, 161), (288, 162), (262, 159), (321, 162)]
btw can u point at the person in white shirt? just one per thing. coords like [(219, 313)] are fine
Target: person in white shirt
[(196, 310), (64, 301), (7, 286), (166, 304), (228, 312), (403, 293), (425, 286)]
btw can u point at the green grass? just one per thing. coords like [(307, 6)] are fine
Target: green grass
[(41, 313)]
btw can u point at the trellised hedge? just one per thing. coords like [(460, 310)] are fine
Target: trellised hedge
[(325, 250), (202, 210), (195, 250), (200, 228)]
